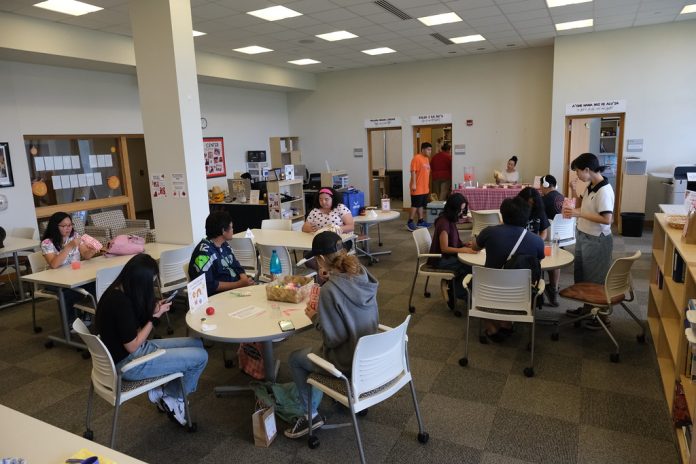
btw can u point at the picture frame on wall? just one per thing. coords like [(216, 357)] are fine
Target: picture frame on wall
[(214, 154), (6, 179)]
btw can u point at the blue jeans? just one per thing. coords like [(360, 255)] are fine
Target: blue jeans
[(300, 368), (185, 355)]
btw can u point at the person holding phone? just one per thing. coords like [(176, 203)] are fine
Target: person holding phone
[(61, 245), (124, 320), (346, 310)]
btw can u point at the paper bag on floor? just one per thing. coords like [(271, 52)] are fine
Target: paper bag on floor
[(264, 425)]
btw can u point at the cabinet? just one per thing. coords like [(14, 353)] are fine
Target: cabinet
[(667, 302), (284, 150), (286, 201), (256, 170), (335, 179)]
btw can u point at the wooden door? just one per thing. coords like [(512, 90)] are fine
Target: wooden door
[(579, 135)]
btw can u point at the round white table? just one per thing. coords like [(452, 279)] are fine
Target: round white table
[(262, 327), (561, 259), (365, 222)]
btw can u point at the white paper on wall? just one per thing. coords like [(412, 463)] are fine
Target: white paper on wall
[(108, 161), (56, 183), (89, 177), (65, 180), (75, 161), (57, 163), (67, 163), (82, 180), (74, 182), (97, 178), (93, 163), (39, 164), (48, 161)]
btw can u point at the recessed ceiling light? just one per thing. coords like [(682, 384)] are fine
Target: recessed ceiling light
[(274, 13), (379, 51), (304, 61), (555, 3), (71, 7), (336, 35), (689, 9), (253, 50), (467, 39), (574, 24), (199, 33), (444, 18)]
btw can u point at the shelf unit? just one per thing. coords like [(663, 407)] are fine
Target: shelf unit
[(334, 179), (255, 168), (667, 302), (288, 209), (284, 150)]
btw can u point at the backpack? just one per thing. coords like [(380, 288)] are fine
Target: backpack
[(125, 245)]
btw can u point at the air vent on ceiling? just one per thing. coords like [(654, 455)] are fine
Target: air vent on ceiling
[(393, 10), (441, 38)]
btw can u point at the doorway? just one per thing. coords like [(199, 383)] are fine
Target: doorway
[(437, 135), (140, 187), (601, 134), (384, 164)]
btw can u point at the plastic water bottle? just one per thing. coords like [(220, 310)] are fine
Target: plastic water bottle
[(275, 268), (556, 244)]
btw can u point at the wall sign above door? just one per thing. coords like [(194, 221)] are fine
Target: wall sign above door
[(382, 122), (427, 119), (596, 107)]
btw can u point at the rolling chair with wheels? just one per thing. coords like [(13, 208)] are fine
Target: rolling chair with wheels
[(617, 289), (380, 369), (423, 241), (502, 295), (482, 219), (108, 383)]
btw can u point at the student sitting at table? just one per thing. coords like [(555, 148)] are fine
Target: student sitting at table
[(61, 246), (125, 314), (214, 258), (346, 310), (510, 175), (446, 241), (537, 223), (328, 211), (498, 241), (553, 205)]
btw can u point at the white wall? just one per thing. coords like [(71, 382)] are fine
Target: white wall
[(653, 68), (508, 95), (43, 100)]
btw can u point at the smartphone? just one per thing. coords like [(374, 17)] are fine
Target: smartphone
[(171, 297), (286, 325)]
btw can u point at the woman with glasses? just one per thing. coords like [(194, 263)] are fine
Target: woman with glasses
[(61, 246)]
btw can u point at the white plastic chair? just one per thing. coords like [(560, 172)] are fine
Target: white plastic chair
[(37, 263), (423, 241), (483, 219), (502, 295), (107, 382), (245, 252), (565, 228), (276, 224), (265, 253), (105, 277), (380, 369), (617, 289)]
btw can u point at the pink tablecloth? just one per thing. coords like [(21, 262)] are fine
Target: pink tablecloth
[(487, 198)]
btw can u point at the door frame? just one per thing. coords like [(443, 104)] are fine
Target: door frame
[(369, 157), (619, 151)]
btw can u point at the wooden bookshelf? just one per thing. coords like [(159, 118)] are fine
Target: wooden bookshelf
[(667, 303)]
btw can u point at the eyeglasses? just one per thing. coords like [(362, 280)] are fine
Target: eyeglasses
[(65, 226)]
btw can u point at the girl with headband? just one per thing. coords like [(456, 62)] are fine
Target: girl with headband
[(328, 211)]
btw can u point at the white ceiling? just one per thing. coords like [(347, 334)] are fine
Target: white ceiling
[(506, 25)]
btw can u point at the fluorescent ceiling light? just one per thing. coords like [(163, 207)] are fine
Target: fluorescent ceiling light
[(253, 50), (467, 39), (443, 18), (337, 35), (304, 61), (71, 7), (689, 9), (379, 51), (574, 24), (274, 13), (555, 3), (198, 33)]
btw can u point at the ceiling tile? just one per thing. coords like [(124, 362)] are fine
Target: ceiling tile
[(485, 12), (240, 6), (525, 5), (309, 6), (525, 15), (336, 14), (211, 11)]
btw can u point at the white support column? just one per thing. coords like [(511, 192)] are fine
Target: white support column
[(168, 88)]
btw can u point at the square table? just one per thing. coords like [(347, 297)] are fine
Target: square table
[(14, 245)]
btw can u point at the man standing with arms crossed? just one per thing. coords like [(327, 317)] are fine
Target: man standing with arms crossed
[(419, 186)]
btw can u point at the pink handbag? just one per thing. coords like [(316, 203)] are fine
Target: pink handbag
[(125, 245)]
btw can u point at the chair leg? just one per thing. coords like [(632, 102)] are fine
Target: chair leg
[(529, 371), (90, 397), (189, 422), (411, 308), (641, 337), (36, 328), (464, 361), (356, 429), (614, 357), (426, 293), (115, 420)]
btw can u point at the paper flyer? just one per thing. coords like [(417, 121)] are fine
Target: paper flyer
[(158, 186), (178, 186)]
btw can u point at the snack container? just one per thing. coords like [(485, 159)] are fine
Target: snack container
[(278, 290)]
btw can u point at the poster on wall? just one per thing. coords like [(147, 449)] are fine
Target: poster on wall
[(158, 186), (214, 154), (6, 179), (178, 186)]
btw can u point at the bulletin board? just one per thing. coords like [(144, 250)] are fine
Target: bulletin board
[(214, 154)]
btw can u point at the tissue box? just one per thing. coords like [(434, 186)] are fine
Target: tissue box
[(280, 290)]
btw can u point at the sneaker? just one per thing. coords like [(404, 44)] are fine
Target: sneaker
[(155, 396), (594, 325), (410, 226), (424, 224), (301, 426), (176, 408), (581, 311)]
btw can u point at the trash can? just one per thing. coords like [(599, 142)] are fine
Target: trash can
[(632, 224)]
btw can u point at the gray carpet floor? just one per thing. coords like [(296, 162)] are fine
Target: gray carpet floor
[(579, 407)]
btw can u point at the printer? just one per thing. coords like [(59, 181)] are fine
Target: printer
[(677, 186)]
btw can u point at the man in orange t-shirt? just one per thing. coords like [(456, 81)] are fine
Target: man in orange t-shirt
[(420, 186)]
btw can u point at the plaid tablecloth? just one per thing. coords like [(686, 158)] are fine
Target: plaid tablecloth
[(487, 198)]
